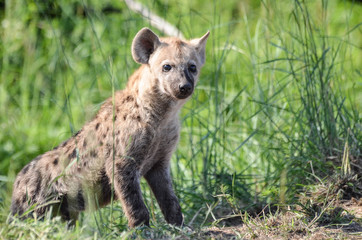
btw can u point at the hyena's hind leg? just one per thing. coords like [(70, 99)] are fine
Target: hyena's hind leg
[(19, 207), (65, 210), (39, 208), (31, 194), (28, 206)]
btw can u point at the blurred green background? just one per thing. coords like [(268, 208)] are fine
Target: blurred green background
[(277, 105)]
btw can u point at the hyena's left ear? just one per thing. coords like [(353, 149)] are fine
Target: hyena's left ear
[(144, 44), (200, 44)]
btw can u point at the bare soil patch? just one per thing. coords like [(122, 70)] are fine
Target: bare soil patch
[(342, 221)]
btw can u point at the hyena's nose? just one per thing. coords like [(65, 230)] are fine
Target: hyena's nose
[(185, 89)]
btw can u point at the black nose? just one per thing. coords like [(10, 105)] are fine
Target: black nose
[(185, 89)]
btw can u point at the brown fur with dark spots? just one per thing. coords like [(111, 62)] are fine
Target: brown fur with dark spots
[(138, 141)]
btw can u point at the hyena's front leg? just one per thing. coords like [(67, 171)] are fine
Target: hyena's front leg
[(128, 191), (160, 182)]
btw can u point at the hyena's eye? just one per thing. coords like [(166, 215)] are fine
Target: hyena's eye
[(192, 68), (166, 67)]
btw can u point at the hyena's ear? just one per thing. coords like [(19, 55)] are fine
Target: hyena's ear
[(144, 44), (200, 44)]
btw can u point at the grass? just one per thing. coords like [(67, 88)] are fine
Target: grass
[(277, 109)]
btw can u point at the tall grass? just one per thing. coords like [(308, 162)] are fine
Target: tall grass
[(277, 101)]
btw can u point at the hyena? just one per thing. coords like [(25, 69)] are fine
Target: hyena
[(133, 135)]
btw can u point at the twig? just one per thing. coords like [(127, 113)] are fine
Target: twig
[(155, 21)]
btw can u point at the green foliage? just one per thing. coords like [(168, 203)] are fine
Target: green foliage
[(278, 100)]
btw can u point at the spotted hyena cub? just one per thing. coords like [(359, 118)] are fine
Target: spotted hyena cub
[(133, 135)]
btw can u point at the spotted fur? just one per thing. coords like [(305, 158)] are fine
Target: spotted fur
[(132, 136)]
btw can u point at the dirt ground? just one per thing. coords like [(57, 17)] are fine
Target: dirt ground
[(344, 221)]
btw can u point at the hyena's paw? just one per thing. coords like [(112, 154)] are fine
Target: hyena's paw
[(138, 218)]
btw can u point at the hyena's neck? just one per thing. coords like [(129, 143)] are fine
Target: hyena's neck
[(157, 106)]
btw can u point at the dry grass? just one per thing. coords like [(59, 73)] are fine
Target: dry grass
[(329, 210), (341, 221)]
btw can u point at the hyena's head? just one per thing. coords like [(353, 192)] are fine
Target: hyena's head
[(174, 63)]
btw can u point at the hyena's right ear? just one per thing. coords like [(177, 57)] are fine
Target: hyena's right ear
[(144, 44)]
